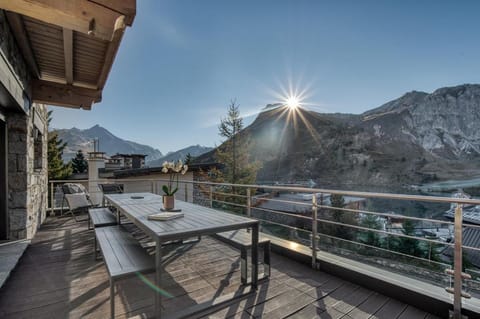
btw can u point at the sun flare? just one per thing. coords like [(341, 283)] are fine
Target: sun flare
[(292, 102), (290, 108)]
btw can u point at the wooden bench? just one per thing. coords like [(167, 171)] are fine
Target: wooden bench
[(242, 240), (122, 255), (101, 217)]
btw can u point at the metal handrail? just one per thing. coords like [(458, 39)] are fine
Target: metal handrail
[(419, 198), (386, 250), (282, 201), (351, 210), (384, 232), (282, 213)]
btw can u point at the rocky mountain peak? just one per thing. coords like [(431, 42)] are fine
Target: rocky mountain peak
[(416, 138), (457, 91), (406, 101), (82, 139)]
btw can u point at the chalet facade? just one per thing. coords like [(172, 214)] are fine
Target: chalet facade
[(51, 52)]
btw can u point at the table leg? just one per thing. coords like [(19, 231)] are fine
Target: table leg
[(255, 256), (158, 279)]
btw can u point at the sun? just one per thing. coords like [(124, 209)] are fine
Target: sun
[(292, 102)]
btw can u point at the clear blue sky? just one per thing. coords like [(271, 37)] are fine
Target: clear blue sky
[(183, 61)]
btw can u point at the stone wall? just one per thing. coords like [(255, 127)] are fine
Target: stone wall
[(27, 182), (12, 59)]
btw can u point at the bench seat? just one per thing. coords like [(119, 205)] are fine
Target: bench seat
[(101, 217), (242, 240), (122, 255)]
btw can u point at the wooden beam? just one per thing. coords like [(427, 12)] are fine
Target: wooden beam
[(128, 8), (78, 15), (64, 94), (112, 50), (68, 53), (16, 24)]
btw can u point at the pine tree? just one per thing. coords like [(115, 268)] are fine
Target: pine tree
[(340, 216), (57, 169), (233, 153), (371, 238), (79, 163), (188, 159), (407, 245)]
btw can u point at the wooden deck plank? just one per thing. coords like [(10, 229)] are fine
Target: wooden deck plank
[(271, 306), (58, 277), (311, 311), (369, 306), (351, 301), (391, 309), (412, 313)]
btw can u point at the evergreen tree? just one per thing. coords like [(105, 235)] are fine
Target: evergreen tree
[(340, 216), (371, 237), (410, 246), (188, 159), (233, 153), (79, 163), (57, 169)]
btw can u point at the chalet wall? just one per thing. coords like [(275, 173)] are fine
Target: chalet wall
[(14, 73), (27, 171), (26, 140)]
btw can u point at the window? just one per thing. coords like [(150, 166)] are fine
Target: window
[(37, 149)]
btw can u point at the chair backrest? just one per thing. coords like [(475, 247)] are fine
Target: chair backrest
[(111, 188), (76, 201), (74, 188)]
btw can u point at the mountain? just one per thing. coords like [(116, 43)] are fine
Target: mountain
[(194, 150), (419, 137), (82, 139)]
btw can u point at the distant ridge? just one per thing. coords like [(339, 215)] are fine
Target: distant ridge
[(194, 150), (110, 144)]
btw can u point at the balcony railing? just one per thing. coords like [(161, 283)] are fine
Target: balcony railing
[(403, 234)]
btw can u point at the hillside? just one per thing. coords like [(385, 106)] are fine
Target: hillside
[(194, 150), (417, 138), (82, 139)]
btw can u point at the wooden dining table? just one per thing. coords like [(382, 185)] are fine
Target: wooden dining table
[(196, 221)]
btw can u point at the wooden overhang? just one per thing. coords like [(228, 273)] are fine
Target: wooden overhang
[(69, 45)]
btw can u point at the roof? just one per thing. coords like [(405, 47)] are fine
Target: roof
[(69, 46), (470, 238)]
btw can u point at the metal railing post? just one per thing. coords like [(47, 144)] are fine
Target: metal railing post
[(52, 205), (314, 231), (249, 202), (186, 192), (152, 186), (457, 266), (211, 195)]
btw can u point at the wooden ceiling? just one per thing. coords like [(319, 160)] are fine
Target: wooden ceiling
[(69, 45)]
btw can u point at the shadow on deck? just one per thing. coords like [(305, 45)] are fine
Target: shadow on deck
[(58, 278)]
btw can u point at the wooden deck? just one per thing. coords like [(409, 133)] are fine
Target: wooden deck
[(58, 278)]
